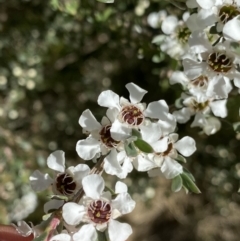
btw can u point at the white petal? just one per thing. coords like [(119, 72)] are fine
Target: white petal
[(151, 133), (219, 108), (56, 161), (52, 205), (186, 146), (79, 172), (93, 186), (143, 164), (123, 203), (161, 145), (136, 93), (193, 69), (206, 4), (120, 131), (112, 114), (198, 41), (88, 148), (73, 213), (168, 123), (40, 181), (61, 237), (119, 231), (157, 109), (88, 121), (182, 115), (120, 187), (109, 99), (212, 126), (169, 24), (86, 233), (199, 120), (171, 168), (178, 77), (231, 29), (111, 164)]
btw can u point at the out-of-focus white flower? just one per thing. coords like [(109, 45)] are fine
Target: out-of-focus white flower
[(154, 19), (174, 42), (98, 211), (201, 109), (217, 87), (211, 60)]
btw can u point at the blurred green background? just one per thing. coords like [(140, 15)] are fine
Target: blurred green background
[(55, 59)]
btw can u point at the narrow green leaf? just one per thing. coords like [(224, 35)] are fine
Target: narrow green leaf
[(136, 133), (189, 184), (143, 146), (130, 149), (185, 170), (181, 159), (177, 184)]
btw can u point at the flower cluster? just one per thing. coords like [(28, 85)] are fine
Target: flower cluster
[(210, 60), (130, 135)]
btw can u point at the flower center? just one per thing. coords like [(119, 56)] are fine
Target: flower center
[(200, 81), (132, 115), (227, 13), (199, 106), (106, 138), (219, 62), (183, 34), (65, 184), (99, 211)]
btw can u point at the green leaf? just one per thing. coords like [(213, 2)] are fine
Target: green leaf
[(130, 149), (136, 133), (177, 184), (180, 158), (185, 170), (236, 127), (143, 146), (189, 184)]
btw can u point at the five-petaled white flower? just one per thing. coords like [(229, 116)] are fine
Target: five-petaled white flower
[(98, 211)]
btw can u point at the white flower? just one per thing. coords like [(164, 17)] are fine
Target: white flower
[(166, 150), (211, 60), (176, 36), (99, 140), (99, 211), (203, 86), (217, 12), (129, 115), (201, 110), (66, 181)]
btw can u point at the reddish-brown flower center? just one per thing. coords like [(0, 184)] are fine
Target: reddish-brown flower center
[(219, 62), (65, 184), (106, 138), (99, 211), (132, 115)]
